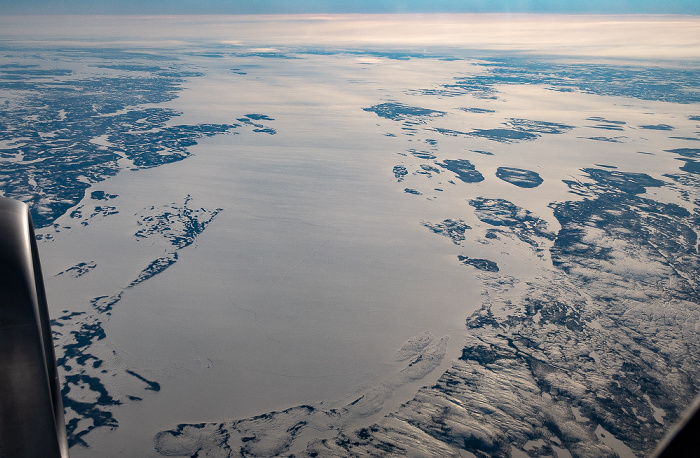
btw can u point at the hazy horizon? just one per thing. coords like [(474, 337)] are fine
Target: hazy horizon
[(619, 36), (344, 6)]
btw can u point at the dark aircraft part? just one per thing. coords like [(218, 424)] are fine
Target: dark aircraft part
[(31, 410)]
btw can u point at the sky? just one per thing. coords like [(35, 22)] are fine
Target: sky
[(176, 7)]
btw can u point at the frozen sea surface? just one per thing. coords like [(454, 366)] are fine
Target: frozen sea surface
[(264, 241)]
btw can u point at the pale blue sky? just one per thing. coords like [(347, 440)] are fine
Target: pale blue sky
[(8, 7)]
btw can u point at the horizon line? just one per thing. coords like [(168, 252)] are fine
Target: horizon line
[(327, 14)]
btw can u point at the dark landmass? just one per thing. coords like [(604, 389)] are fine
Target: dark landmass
[(620, 213), (448, 132), (67, 316), (212, 55), (485, 153), (685, 152), (519, 177), (694, 118), (518, 129), (519, 221), (605, 139), (26, 72), (686, 184), (154, 268), (492, 234), (454, 229), (55, 157), (657, 127), (412, 191), (427, 170), (691, 166), (75, 352), (259, 117), (606, 121), (131, 67), (693, 139), (268, 55), (101, 211), (464, 170), (540, 127), (477, 110), (101, 195), (104, 304), (503, 135), (500, 212), (108, 54), (606, 124), (266, 130), (399, 112), (674, 85), (393, 55), (607, 127), (104, 210), (179, 73), (166, 145), (481, 264), (633, 183), (15, 65), (177, 225), (422, 154), (91, 409), (151, 385), (79, 269), (72, 360), (606, 166), (400, 172), (249, 118)]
